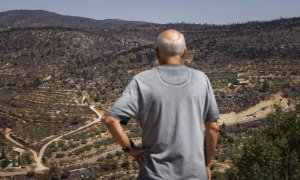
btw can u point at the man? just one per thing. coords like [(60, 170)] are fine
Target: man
[(171, 103)]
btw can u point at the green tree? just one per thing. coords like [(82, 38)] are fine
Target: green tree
[(3, 159), (109, 156), (19, 161), (14, 163), (60, 155), (125, 164), (30, 174), (3, 154), (223, 130), (55, 172), (4, 162), (274, 153), (27, 159), (65, 174)]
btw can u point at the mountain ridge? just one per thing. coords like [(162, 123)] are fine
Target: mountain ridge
[(37, 18)]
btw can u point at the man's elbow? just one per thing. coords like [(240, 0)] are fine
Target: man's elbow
[(212, 127), (107, 120)]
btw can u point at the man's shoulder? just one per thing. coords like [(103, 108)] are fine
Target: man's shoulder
[(198, 73), (146, 74)]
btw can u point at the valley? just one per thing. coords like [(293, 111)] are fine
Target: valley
[(56, 82)]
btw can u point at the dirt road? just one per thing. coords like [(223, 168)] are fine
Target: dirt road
[(38, 156), (42, 151), (258, 111)]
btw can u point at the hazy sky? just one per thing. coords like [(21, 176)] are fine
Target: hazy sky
[(164, 11)]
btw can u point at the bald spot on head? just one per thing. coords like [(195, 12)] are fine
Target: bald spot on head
[(171, 35)]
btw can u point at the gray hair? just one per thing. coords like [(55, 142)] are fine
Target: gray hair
[(170, 48)]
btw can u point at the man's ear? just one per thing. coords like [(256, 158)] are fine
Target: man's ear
[(157, 53), (185, 52)]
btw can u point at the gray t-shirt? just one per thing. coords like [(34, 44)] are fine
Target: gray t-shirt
[(170, 103)]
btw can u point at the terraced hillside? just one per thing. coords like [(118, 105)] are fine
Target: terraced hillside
[(50, 77), (39, 113)]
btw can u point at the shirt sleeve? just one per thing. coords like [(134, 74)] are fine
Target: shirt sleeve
[(211, 107), (126, 106)]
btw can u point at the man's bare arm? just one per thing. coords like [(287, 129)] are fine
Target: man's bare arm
[(211, 139), (114, 127)]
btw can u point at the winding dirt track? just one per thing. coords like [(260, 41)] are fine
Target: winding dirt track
[(260, 110), (38, 156), (42, 151), (39, 165), (7, 135)]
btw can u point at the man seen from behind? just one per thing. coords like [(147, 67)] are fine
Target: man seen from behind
[(173, 104)]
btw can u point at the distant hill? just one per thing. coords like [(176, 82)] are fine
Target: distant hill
[(34, 18), (97, 60)]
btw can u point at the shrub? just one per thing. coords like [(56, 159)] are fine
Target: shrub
[(30, 174), (109, 156), (60, 155), (274, 152)]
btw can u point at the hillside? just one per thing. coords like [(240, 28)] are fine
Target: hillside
[(51, 74), (37, 18)]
